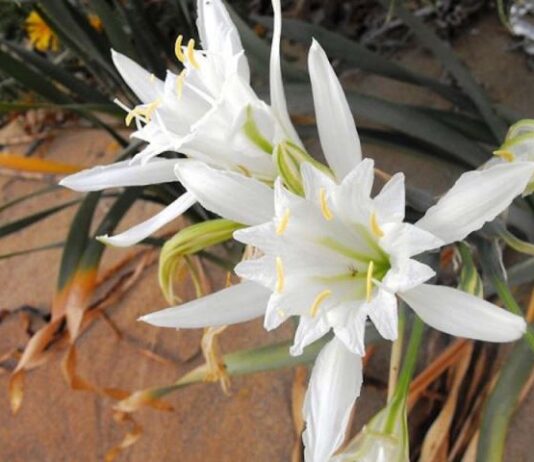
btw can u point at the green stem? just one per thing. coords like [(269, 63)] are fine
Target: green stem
[(503, 291), (396, 353), (398, 402)]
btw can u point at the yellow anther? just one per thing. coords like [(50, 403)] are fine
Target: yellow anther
[(279, 275), (178, 49), (152, 78), (191, 54), (325, 210), (375, 227), (283, 222), (369, 281), (142, 111), (280, 313), (318, 300), (505, 154)]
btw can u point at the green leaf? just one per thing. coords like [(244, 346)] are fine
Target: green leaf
[(25, 197), (470, 281), (502, 403), (458, 70), (30, 79), (114, 27), (18, 253), (77, 238), (21, 223), (56, 72)]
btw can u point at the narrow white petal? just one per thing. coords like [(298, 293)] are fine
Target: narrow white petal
[(278, 98), (335, 384), (313, 180), (477, 197), (459, 313), (121, 174), (141, 231), (308, 331), (260, 270), (228, 194), (405, 240), (337, 130), (351, 331), (233, 305), (390, 201), (406, 274), (140, 81)]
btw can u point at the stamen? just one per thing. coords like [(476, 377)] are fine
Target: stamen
[(280, 313), (142, 111), (505, 155), (325, 210), (191, 54), (279, 275), (178, 49), (375, 227), (152, 78), (318, 300), (369, 281), (282, 224), (180, 83)]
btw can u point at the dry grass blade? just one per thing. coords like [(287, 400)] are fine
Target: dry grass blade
[(435, 444), (297, 401), (446, 359), (36, 165)]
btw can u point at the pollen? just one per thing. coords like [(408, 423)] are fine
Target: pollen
[(178, 49), (369, 281), (325, 210), (318, 300), (505, 155), (375, 227), (279, 275), (145, 111), (180, 79), (282, 224), (190, 52)]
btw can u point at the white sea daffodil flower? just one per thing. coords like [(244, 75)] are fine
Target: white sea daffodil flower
[(208, 112), (517, 147), (337, 256)]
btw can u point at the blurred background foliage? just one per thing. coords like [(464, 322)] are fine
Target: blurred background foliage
[(55, 62)]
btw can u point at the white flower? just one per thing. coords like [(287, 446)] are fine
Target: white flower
[(517, 147), (208, 112), (337, 256)]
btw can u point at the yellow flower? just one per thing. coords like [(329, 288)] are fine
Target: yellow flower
[(95, 22), (41, 36)]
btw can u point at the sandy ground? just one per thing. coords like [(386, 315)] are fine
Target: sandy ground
[(255, 422)]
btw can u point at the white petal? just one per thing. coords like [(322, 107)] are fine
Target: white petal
[(308, 331), (405, 240), (233, 305), (383, 312), (335, 384), (262, 236), (228, 194), (351, 331), (390, 201), (141, 231), (278, 98), (406, 274), (459, 313), (313, 181), (337, 130), (140, 81), (477, 197), (260, 270), (121, 174)]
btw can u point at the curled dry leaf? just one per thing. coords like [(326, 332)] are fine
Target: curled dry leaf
[(129, 439)]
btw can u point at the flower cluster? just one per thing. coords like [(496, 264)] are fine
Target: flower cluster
[(329, 253)]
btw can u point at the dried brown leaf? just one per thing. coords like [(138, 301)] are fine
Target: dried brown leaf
[(129, 439), (297, 401)]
